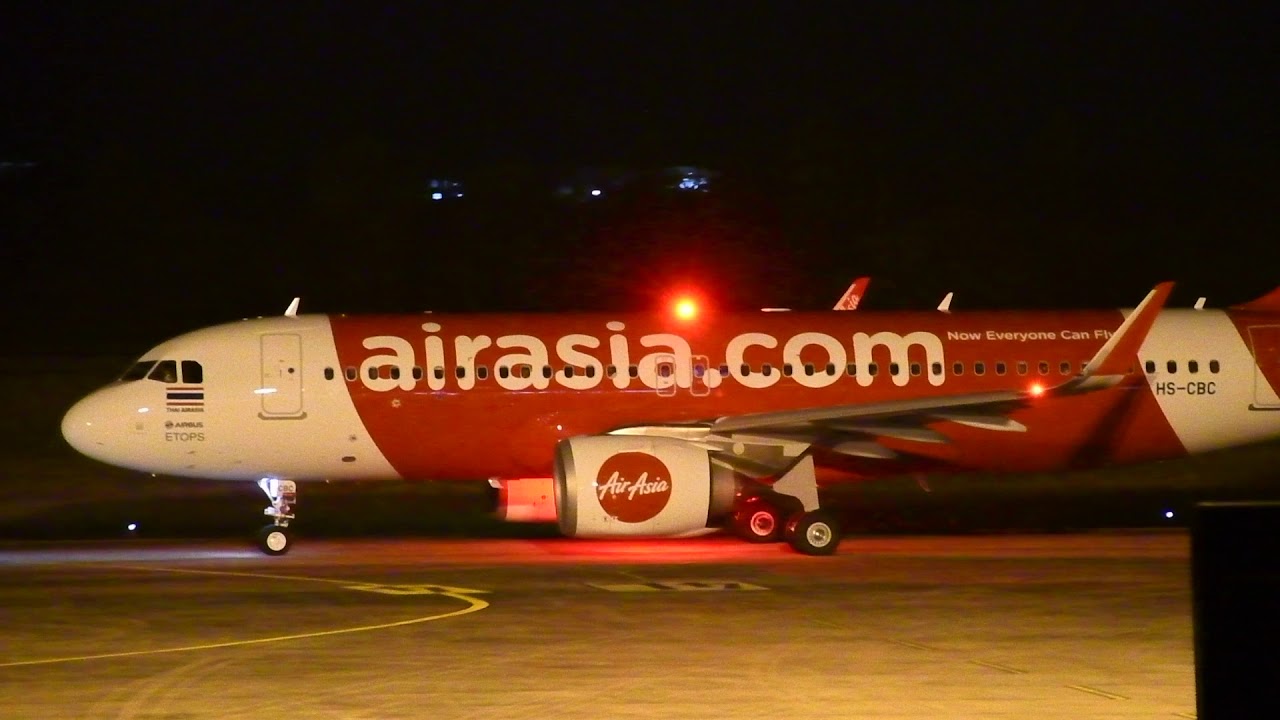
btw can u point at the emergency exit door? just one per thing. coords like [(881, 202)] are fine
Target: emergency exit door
[(281, 386)]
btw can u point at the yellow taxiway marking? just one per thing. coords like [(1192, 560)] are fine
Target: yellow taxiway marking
[(999, 666), (474, 604), (1096, 691)]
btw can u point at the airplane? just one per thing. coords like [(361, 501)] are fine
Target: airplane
[(853, 296), (661, 424), (848, 301)]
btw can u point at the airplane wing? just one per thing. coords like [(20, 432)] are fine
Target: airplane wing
[(853, 296), (761, 444)]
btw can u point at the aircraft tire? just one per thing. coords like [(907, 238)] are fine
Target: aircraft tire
[(759, 523), (813, 533), (275, 540)]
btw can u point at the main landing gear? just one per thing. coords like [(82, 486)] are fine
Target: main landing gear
[(809, 530), (276, 538)]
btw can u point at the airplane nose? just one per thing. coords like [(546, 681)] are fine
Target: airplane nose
[(81, 428)]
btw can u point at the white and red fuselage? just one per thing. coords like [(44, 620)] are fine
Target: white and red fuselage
[(441, 396)]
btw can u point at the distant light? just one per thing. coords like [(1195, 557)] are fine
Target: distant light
[(686, 309), (437, 196), (132, 526), (1168, 514), (459, 194), (595, 193), (1037, 389), (144, 410)]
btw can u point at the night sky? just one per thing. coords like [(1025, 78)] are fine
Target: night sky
[(172, 165)]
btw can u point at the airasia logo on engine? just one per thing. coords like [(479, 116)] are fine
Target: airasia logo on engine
[(633, 486)]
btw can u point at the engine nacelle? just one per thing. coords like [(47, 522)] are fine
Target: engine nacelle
[(635, 486)]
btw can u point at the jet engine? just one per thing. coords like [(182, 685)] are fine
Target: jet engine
[(635, 486)]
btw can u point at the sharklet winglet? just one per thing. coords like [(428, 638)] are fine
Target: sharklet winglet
[(1116, 355), (292, 310)]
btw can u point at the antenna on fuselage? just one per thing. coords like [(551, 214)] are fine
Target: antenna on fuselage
[(292, 310), (945, 305), (1200, 304)]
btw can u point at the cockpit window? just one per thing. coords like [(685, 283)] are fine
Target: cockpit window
[(138, 371), (166, 371), (192, 372)]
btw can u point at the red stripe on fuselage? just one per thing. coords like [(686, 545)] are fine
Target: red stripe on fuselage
[(489, 430)]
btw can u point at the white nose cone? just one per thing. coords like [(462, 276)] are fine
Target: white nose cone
[(80, 431)]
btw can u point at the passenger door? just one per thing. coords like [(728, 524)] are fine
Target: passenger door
[(281, 387)]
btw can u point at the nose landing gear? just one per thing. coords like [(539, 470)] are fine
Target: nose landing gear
[(276, 538)]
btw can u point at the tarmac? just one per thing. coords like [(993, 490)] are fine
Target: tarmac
[(1093, 625)]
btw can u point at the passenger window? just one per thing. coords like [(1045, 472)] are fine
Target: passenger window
[(935, 369), (438, 372), (1022, 367), (786, 369), (724, 371), (373, 373), (893, 369), (1000, 368), (568, 371), (1214, 367), (852, 369), (610, 370), (915, 369), (328, 373), (873, 369), (1064, 367), (351, 374), (957, 368), (766, 369), (417, 372), (395, 372), (590, 370), (979, 368), (166, 371), (808, 368), (546, 372), (193, 373), (634, 371), (482, 372), (1044, 368), (745, 370), (460, 371), (1172, 366), (1193, 366), (831, 369), (1150, 365), (503, 372)]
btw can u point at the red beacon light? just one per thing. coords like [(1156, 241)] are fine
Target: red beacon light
[(1036, 389), (686, 309)]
